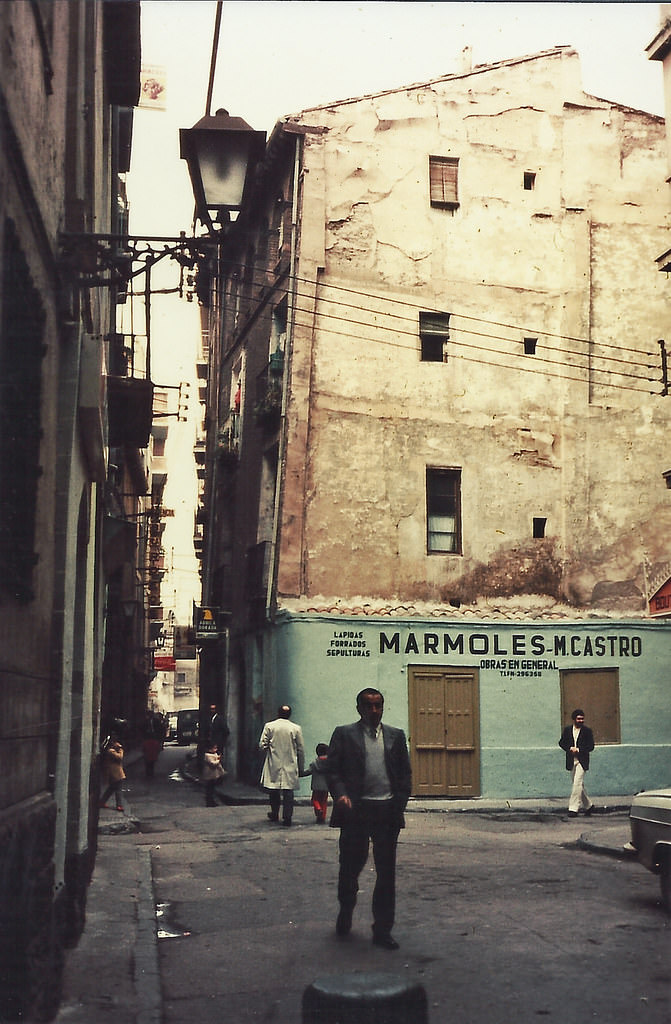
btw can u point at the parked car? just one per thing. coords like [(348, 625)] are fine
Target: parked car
[(650, 821), (187, 726)]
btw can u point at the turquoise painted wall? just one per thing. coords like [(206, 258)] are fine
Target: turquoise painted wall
[(320, 663)]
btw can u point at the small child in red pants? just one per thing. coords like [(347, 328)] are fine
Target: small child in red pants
[(320, 789)]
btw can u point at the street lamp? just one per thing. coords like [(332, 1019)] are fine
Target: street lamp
[(220, 152)]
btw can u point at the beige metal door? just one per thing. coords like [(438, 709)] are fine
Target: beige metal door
[(444, 732), (597, 692)]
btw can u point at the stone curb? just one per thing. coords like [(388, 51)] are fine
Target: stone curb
[(595, 844)]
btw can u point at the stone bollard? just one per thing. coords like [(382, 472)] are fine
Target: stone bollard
[(366, 998)]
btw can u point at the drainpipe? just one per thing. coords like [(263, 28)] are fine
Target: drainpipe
[(222, 695), (217, 307), (279, 486)]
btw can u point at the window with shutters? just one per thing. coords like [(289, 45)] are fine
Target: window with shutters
[(444, 181), (434, 333), (443, 511)]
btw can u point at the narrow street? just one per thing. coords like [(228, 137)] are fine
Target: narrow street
[(501, 917)]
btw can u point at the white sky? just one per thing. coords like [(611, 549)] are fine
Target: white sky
[(279, 57)]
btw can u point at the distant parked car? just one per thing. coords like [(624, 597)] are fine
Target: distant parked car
[(187, 726), (171, 733), (650, 820)]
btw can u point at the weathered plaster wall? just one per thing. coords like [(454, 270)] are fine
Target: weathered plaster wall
[(556, 435), (39, 126)]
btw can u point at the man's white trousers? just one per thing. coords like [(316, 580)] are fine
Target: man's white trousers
[(578, 796)]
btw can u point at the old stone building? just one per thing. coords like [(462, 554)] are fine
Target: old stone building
[(69, 77), (436, 419)]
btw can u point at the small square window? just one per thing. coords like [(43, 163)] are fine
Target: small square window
[(443, 181), (434, 333), (443, 511), (529, 181), (530, 346)]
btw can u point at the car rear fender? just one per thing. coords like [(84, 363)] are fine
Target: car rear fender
[(661, 852)]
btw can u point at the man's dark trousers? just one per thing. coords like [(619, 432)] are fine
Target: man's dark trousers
[(371, 821), (285, 798)]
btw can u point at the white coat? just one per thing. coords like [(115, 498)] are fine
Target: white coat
[(282, 741)]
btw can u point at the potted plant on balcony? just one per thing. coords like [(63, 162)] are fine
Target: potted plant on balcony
[(268, 409)]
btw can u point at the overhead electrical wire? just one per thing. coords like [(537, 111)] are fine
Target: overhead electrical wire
[(259, 279), (522, 367), (526, 364), (317, 295), (451, 331), (592, 356)]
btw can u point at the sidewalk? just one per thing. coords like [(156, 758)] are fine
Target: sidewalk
[(114, 975), (239, 794), (601, 834)]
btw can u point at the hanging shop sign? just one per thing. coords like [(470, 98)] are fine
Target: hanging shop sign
[(164, 663), (207, 624)]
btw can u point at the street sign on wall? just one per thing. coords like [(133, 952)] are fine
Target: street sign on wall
[(660, 602)]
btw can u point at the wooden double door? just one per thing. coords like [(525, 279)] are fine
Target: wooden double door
[(444, 731)]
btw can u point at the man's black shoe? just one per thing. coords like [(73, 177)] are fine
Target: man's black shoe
[(385, 941), (588, 812), (272, 817), (573, 814), (344, 922), (286, 822)]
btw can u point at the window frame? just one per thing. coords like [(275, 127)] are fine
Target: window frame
[(432, 331), (538, 527), (434, 474), (444, 182)]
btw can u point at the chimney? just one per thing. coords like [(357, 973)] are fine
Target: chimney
[(467, 60)]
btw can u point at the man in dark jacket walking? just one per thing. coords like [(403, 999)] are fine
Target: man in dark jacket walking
[(368, 772), (577, 740)]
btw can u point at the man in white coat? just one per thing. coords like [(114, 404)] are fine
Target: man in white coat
[(282, 742)]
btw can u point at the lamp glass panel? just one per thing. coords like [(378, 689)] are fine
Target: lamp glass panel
[(223, 166)]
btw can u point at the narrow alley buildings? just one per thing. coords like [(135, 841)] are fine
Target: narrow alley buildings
[(436, 420), (69, 78)]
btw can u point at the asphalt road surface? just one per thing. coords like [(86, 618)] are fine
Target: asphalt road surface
[(501, 917)]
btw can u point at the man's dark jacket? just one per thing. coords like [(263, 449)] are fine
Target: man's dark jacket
[(585, 744), (346, 767), (218, 731)]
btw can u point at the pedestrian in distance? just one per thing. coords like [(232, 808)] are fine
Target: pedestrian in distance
[(113, 766), (217, 731), (153, 734), (368, 771), (213, 773), (282, 743), (577, 741), (318, 784)]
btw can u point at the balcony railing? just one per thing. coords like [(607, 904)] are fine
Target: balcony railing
[(130, 396)]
